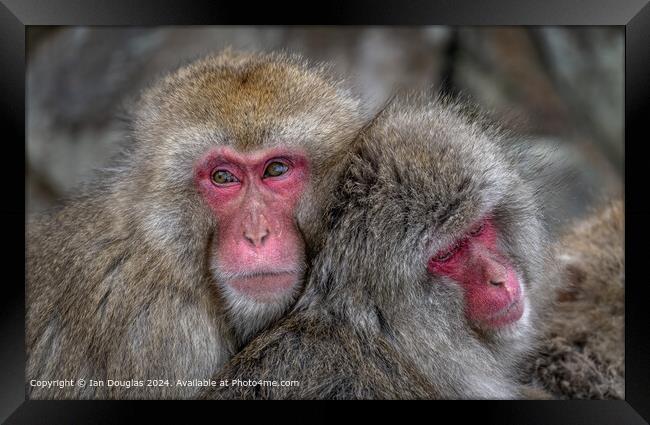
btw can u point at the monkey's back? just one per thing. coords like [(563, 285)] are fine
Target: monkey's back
[(582, 356)]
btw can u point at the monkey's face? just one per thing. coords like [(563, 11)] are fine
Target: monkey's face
[(257, 251), (454, 234), (493, 295), (237, 149)]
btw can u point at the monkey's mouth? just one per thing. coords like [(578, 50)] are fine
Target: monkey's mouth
[(264, 286), (507, 316)]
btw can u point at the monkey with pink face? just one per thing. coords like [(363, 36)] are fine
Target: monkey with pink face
[(430, 265), (432, 282), (197, 238)]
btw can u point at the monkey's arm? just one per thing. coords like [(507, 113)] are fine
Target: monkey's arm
[(312, 358), (289, 361)]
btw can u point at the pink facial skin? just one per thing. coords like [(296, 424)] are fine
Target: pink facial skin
[(493, 295), (258, 249)]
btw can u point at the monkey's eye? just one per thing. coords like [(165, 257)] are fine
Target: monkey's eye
[(275, 169), (478, 229), (223, 177), (443, 257)]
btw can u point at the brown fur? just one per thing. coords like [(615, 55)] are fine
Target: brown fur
[(118, 282), (583, 356)]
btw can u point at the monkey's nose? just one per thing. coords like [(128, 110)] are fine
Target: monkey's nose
[(256, 229), (494, 273), (256, 237), (490, 271)]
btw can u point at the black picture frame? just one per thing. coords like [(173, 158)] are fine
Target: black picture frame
[(17, 15)]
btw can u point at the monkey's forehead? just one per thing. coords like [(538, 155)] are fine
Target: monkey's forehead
[(252, 89), (250, 101), (435, 142), (433, 163)]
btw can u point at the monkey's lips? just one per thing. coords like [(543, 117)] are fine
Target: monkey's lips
[(505, 317), (265, 286)]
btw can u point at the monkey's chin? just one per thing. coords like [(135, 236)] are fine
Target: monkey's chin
[(265, 287)]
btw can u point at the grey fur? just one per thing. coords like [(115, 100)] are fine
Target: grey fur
[(372, 322)]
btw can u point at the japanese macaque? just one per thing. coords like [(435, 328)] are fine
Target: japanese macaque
[(196, 239), (582, 355), (431, 283)]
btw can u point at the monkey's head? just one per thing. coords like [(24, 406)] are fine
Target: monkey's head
[(451, 243), (232, 153)]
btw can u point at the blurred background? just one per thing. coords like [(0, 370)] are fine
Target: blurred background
[(560, 88)]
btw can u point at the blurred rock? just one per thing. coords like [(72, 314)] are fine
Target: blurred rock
[(500, 69), (588, 69)]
